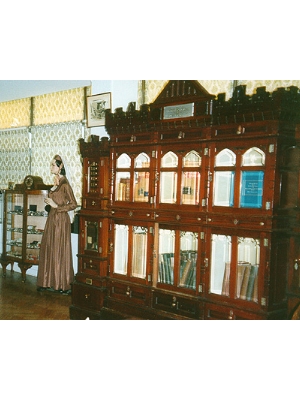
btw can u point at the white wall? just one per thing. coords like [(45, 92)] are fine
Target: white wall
[(122, 93)]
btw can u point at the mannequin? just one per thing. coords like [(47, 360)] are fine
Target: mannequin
[(55, 272)]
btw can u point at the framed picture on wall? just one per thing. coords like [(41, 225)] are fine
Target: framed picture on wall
[(95, 108)]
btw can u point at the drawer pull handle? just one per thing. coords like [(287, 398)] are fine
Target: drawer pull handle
[(174, 302), (87, 295)]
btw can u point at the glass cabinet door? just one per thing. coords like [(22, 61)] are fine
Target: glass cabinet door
[(240, 173), (245, 266), (168, 178), (178, 258), (139, 251), (224, 178), (36, 220), (190, 182), (141, 178), (180, 178), (252, 178), (121, 249), (220, 264), (130, 250), (91, 236), (14, 224), (123, 178), (188, 259), (132, 178), (166, 256)]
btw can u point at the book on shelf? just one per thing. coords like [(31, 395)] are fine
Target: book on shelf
[(250, 287), (191, 281), (240, 275), (161, 274), (226, 280), (255, 289), (188, 269), (124, 190), (187, 276), (252, 189), (166, 268), (245, 282), (185, 272)]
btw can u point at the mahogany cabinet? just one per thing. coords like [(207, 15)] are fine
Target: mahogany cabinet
[(89, 288), (197, 212)]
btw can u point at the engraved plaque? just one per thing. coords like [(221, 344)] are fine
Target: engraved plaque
[(179, 111)]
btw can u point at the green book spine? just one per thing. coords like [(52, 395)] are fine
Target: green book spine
[(185, 273), (167, 263), (255, 289), (250, 287)]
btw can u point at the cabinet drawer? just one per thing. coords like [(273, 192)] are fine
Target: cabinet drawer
[(175, 304), (87, 296), (241, 221), (132, 214), (216, 312), (129, 293), (92, 266), (95, 203), (92, 203)]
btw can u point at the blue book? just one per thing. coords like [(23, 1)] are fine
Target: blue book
[(252, 189)]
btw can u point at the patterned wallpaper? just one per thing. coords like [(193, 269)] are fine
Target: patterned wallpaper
[(154, 87), (14, 156), (62, 139)]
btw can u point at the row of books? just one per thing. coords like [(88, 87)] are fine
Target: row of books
[(187, 273), (247, 281), (166, 268), (123, 192), (141, 188)]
